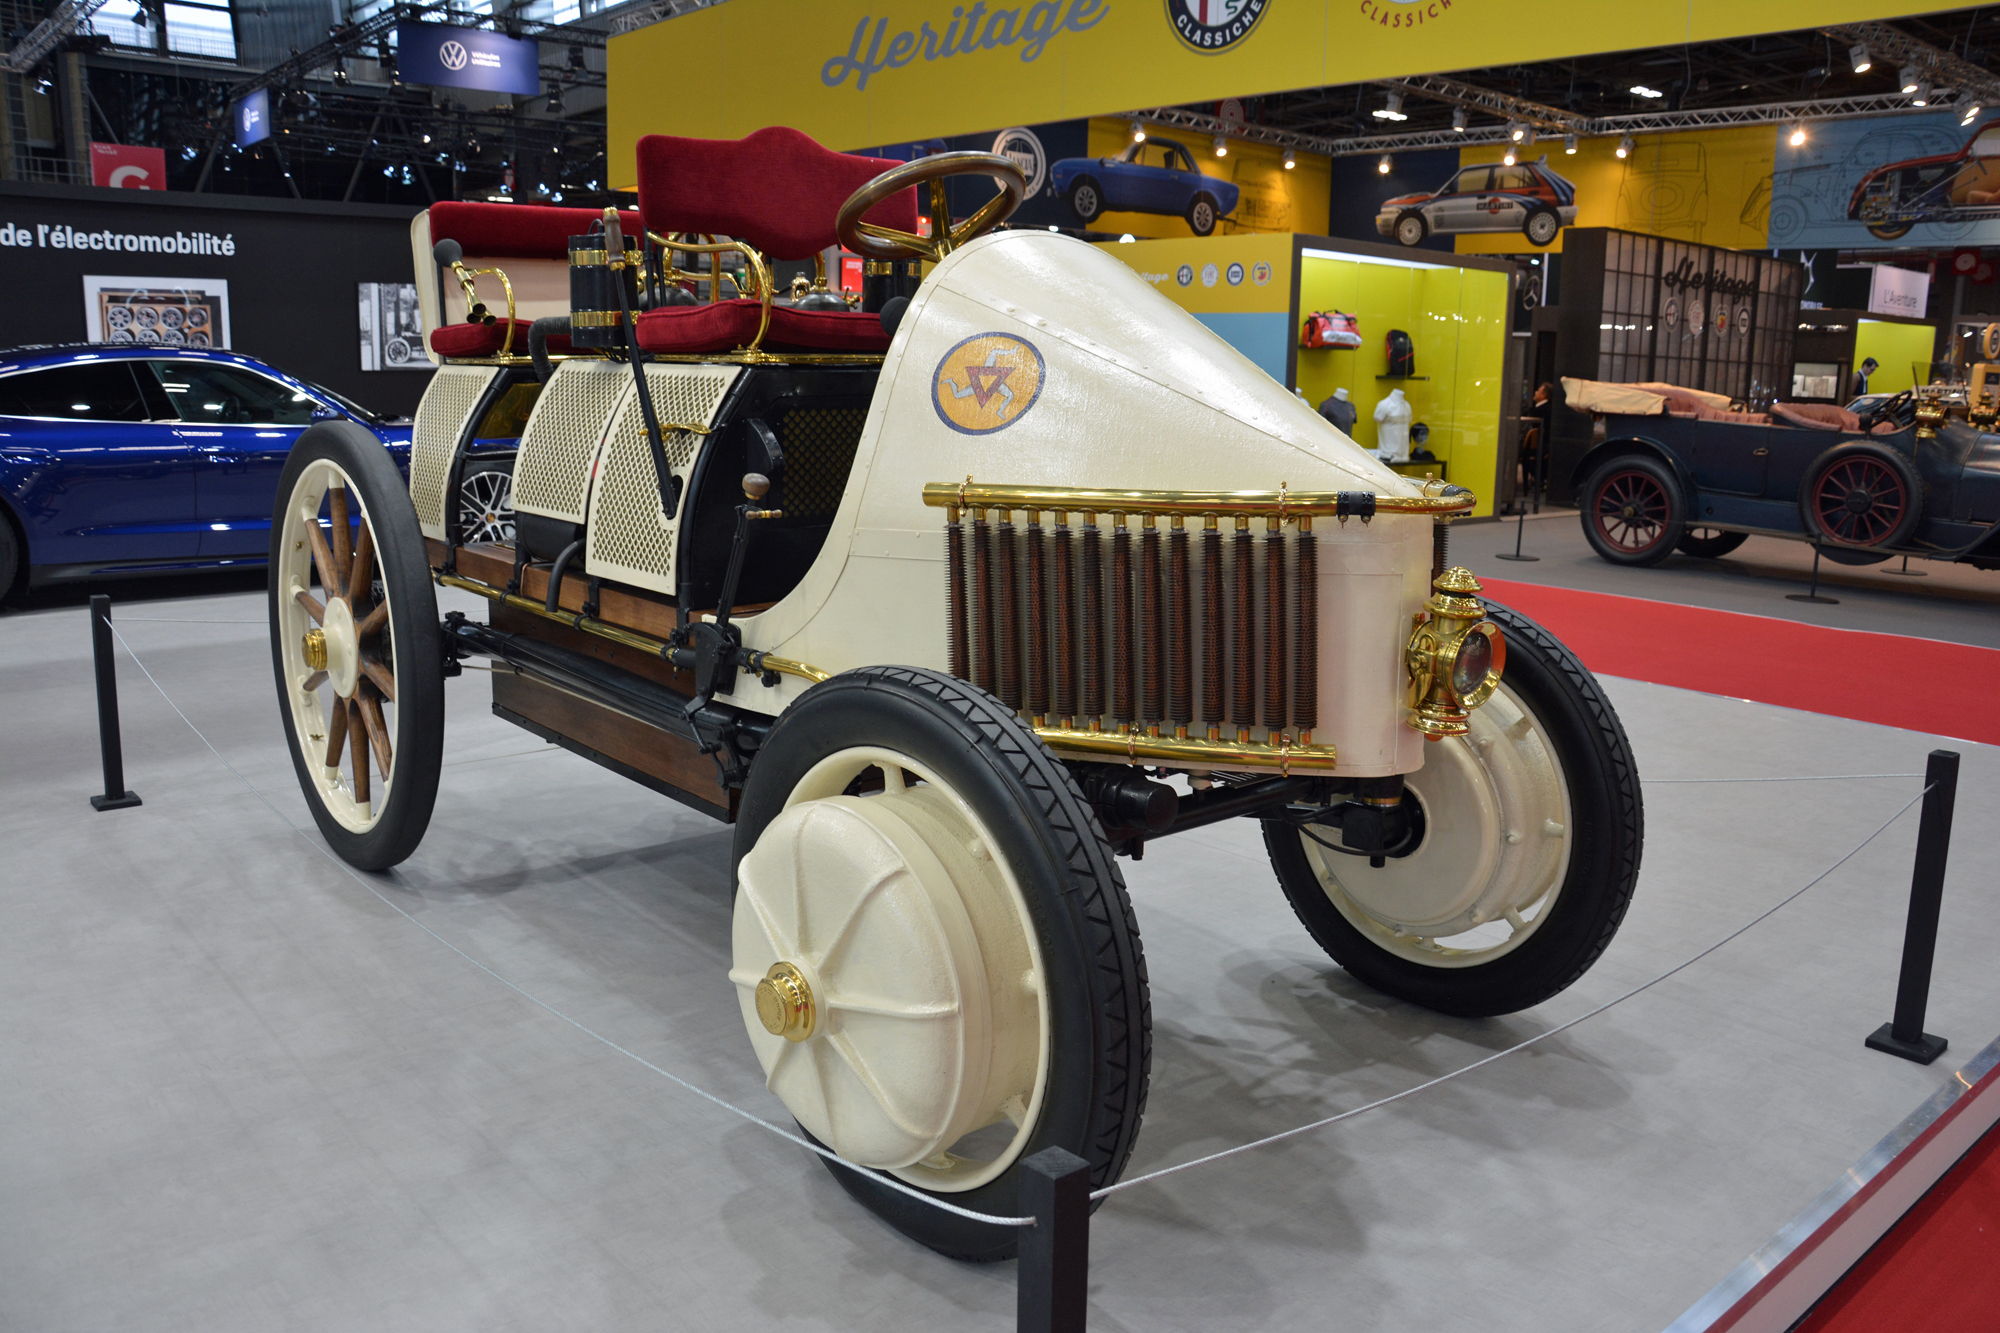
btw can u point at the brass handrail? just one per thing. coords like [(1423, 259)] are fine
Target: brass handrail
[(759, 271), (1281, 504)]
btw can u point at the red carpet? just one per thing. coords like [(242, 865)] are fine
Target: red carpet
[(1919, 684), (1938, 1271)]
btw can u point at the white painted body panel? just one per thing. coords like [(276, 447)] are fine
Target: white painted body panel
[(1135, 394)]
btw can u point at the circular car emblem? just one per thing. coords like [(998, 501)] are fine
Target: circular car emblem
[(1208, 275), (986, 383), (1235, 275), (1670, 313), (1721, 321), (1184, 274), (1260, 273), (1210, 26), (1694, 313), (1742, 317), (452, 56), (1025, 150)]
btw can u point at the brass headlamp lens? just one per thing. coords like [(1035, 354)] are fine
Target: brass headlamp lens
[(1476, 666)]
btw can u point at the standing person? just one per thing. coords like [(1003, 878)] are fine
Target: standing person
[(1536, 441)]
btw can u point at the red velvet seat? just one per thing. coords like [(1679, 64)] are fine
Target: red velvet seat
[(690, 330), (780, 192), (485, 339)]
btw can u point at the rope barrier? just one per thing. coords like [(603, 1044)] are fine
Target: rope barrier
[(1108, 1190), (540, 1003), (1522, 1046)]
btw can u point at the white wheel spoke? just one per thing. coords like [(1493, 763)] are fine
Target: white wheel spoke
[(852, 1057), (886, 1008), (782, 945), (819, 956), (892, 780), (1516, 921)]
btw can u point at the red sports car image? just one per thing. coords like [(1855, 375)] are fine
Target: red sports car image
[(1953, 187), (1528, 197)]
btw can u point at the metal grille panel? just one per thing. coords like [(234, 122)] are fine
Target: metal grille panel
[(552, 475), (451, 398), (629, 539), (819, 446)]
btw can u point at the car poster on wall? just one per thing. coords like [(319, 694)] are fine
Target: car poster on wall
[(166, 312), (1907, 180), (392, 331)]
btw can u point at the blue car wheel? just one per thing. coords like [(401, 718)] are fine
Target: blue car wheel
[(1086, 200)]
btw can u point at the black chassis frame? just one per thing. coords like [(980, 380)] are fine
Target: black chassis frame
[(1728, 485)]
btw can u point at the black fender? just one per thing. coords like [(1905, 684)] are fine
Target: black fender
[(1599, 454)]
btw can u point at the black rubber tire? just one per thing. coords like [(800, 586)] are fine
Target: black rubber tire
[(1633, 472), (1607, 813), (1543, 215), (13, 554), (1709, 548), (1408, 216), (1086, 199), (1877, 458), (403, 569), (1196, 215), (471, 517), (1100, 1009)]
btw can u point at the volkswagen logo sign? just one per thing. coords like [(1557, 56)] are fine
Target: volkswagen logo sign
[(1021, 145), (452, 56), (1210, 26)]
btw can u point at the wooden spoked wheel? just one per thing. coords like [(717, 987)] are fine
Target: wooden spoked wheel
[(355, 645), (1631, 511), (1860, 501)]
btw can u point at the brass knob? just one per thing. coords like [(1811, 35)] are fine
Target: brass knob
[(756, 485), (785, 1003), (315, 648)]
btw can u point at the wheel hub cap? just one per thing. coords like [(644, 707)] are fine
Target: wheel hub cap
[(342, 647), (314, 649), (785, 1003), (1859, 500)]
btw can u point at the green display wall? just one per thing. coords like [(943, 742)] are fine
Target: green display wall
[(1897, 348)]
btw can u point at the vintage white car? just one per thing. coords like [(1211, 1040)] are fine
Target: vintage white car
[(946, 603)]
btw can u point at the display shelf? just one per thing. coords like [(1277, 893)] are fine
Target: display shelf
[(1402, 377)]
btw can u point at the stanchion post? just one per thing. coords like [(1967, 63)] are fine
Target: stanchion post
[(115, 796), (1053, 1284), (1905, 1035)]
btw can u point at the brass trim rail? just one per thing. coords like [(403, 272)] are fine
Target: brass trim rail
[(757, 663), (1283, 504), (1190, 752)]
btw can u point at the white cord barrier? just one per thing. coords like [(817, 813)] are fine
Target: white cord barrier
[(1108, 1190)]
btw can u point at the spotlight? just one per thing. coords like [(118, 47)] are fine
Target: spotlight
[(1382, 164), (1625, 146), (1569, 144), (1857, 56), (1971, 113), (1641, 90), (1138, 132), (1906, 79), (1516, 131), (555, 101), (1291, 161), (340, 76), (1922, 97), (426, 138), (1391, 108), (1221, 146), (1798, 136), (1458, 120), (576, 58), (1127, 239), (1507, 158)]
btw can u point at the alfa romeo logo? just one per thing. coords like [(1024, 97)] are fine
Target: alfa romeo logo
[(986, 383), (1210, 26), (452, 56)]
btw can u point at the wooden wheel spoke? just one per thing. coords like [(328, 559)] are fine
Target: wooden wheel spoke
[(372, 623), (311, 604), (383, 678), (378, 731), (359, 754), (336, 733), (343, 550), (323, 560), (362, 572), (313, 682)]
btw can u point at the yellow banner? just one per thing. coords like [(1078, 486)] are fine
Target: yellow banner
[(856, 73)]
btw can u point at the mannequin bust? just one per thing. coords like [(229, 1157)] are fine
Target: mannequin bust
[(1392, 428), (1339, 411)]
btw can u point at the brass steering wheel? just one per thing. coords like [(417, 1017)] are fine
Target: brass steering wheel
[(877, 242)]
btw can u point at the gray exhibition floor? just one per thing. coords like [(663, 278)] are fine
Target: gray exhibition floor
[(238, 1091)]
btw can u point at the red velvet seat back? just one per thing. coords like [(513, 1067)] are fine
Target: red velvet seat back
[(776, 189), (517, 231)]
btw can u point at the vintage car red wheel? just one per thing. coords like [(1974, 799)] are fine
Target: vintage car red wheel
[(1864, 496), (1633, 512)]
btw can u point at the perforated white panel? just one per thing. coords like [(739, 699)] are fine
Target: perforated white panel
[(552, 474), (453, 395), (629, 538)]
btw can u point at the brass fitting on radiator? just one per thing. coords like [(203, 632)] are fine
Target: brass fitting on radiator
[(1455, 657)]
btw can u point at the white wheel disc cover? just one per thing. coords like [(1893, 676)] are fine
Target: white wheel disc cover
[(1496, 845), (929, 1015)]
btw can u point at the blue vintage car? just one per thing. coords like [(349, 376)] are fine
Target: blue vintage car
[(1865, 490), (125, 459), (1156, 176)]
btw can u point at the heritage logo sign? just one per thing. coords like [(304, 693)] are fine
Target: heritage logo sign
[(968, 31), (987, 383), (1404, 13), (1210, 26)]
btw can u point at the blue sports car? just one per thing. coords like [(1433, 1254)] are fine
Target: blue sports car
[(125, 459), (1155, 176)]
